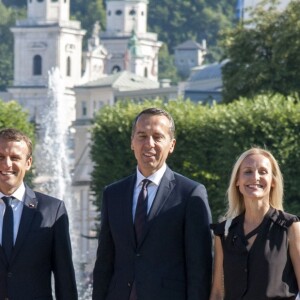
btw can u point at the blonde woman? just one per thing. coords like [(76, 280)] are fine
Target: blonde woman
[(257, 250)]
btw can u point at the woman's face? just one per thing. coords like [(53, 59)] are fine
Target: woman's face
[(255, 178)]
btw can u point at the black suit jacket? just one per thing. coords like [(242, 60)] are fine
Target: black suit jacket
[(173, 261), (42, 247)]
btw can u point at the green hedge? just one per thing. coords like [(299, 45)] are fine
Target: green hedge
[(209, 139)]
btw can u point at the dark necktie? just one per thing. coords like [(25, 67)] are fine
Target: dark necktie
[(8, 228), (140, 219), (141, 210)]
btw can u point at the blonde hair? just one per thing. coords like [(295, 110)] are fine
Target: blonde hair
[(236, 204)]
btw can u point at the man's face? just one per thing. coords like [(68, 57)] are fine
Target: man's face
[(14, 163), (152, 143)]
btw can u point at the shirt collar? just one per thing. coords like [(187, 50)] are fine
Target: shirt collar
[(18, 194), (155, 177)]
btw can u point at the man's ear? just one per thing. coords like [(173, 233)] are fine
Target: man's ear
[(172, 147), (28, 163)]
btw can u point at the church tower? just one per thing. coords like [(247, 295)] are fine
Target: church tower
[(127, 23), (51, 11), (45, 40), (127, 15)]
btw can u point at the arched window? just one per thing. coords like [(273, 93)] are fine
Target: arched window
[(116, 69), (37, 65), (132, 12), (146, 73), (68, 66), (83, 108)]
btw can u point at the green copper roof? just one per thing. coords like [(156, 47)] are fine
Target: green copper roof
[(134, 45)]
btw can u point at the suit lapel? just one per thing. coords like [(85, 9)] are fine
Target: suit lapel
[(29, 210), (127, 206), (164, 190)]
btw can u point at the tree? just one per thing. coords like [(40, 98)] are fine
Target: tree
[(8, 18), (13, 115), (167, 67), (263, 53), (176, 21), (88, 12)]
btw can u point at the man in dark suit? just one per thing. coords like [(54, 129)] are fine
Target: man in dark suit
[(34, 231), (165, 254)]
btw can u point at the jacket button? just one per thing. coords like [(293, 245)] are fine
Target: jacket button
[(9, 274), (129, 284)]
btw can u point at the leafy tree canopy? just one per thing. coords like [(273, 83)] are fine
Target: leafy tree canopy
[(88, 12), (263, 53), (12, 115), (166, 65), (8, 18), (176, 21)]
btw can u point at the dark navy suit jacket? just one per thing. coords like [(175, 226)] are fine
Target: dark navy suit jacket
[(42, 247), (173, 260)]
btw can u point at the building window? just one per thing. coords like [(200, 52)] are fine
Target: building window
[(54, 0), (132, 12), (118, 12), (68, 66), (40, 0), (146, 73), (115, 69), (37, 65), (94, 107), (109, 13), (83, 108)]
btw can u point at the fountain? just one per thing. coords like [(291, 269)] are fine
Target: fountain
[(53, 162), (52, 156)]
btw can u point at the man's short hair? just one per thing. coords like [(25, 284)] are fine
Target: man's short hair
[(155, 112), (12, 134)]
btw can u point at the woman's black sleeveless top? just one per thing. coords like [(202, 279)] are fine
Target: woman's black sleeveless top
[(265, 271)]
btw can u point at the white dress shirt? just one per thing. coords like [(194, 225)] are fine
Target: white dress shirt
[(17, 206), (152, 187)]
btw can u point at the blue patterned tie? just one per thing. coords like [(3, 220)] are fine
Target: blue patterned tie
[(8, 228)]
